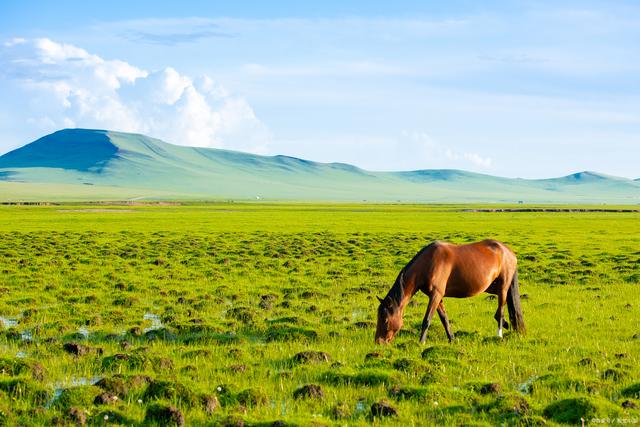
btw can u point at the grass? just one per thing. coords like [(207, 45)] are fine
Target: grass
[(214, 314)]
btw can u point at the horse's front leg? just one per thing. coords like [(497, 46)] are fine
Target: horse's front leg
[(434, 302)]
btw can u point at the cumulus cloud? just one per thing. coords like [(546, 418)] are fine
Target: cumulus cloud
[(66, 86)]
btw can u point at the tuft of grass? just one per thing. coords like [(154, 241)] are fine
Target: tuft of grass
[(573, 410), (79, 396)]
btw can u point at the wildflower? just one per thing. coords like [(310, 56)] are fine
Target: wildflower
[(435, 403), (106, 417), (139, 400)]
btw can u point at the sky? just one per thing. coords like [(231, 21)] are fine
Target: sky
[(530, 89)]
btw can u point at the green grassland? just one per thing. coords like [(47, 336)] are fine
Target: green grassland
[(203, 313)]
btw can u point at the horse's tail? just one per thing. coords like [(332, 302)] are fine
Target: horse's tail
[(513, 304)]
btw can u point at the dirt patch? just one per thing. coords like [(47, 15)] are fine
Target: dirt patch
[(311, 391), (383, 409), (164, 415), (310, 356)]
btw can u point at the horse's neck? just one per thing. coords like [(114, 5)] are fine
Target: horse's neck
[(404, 295)]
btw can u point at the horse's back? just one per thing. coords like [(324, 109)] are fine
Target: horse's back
[(470, 268), (488, 246), (478, 252)]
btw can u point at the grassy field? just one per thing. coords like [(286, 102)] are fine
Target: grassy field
[(221, 314)]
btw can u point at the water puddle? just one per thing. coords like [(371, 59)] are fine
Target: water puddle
[(59, 387), (156, 323), (8, 323), (525, 387)]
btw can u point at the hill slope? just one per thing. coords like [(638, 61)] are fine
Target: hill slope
[(99, 164)]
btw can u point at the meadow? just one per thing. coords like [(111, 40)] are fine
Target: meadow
[(264, 314)]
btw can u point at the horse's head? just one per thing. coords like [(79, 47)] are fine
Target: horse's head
[(389, 320)]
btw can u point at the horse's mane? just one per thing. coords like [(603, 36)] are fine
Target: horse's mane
[(396, 293)]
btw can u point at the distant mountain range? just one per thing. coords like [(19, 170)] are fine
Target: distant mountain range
[(82, 164)]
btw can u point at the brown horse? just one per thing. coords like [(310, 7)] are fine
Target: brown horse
[(459, 271)]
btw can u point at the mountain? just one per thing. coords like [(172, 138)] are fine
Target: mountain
[(81, 164)]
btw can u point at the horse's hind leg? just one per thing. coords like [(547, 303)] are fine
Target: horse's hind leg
[(434, 301), (445, 320), (505, 324), (499, 316)]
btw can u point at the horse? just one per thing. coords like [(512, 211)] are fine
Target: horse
[(458, 271)]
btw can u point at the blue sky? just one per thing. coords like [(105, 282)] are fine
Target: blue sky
[(528, 89)]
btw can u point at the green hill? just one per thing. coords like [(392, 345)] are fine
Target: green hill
[(79, 164)]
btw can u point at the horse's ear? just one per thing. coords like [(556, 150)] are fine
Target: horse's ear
[(379, 299)]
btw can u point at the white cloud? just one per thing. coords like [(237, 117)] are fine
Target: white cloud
[(66, 86), (409, 150), (435, 154), (477, 160)]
